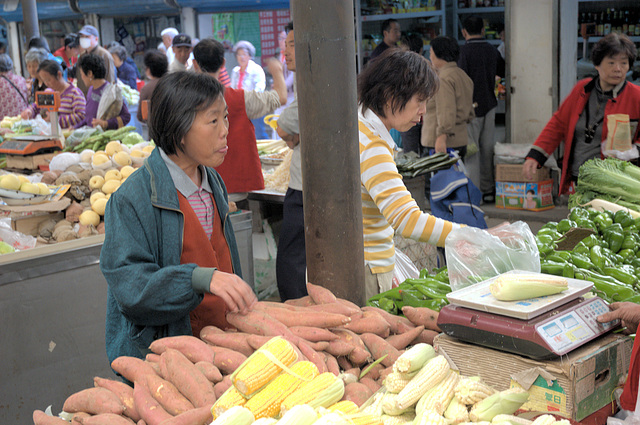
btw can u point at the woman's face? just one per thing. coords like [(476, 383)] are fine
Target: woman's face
[(405, 119), (206, 141), (116, 60), (51, 81), (32, 67), (613, 70), (86, 80), (243, 58)]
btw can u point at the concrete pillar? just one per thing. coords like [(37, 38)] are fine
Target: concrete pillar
[(30, 16), (107, 31), (188, 21)]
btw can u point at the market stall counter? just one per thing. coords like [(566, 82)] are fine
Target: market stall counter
[(52, 301)]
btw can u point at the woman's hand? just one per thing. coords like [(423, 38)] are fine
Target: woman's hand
[(529, 168), (627, 312), (26, 114), (102, 123), (45, 115), (236, 293), (441, 144)]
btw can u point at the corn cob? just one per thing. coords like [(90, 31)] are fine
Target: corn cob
[(396, 381), (513, 420), (331, 419), (414, 358), (265, 421), (302, 414), (513, 287), (230, 398), (390, 405), (237, 415), (456, 412), (429, 376), (363, 419), (324, 390), (439, 397), (505, 402), (259, 368), (346, 407), (404, 419), (429, 417), (544, 420), (470, 391), (267, 401), (373, 406)]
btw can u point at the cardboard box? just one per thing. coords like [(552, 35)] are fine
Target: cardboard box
[(536, 196), (28, 224), (574, 385), (513, 173), (29, 162)]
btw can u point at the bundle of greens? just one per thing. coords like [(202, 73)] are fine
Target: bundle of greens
[(609, 179), (411, 165)]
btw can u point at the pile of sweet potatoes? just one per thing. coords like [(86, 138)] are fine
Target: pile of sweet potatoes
[(180, 380)]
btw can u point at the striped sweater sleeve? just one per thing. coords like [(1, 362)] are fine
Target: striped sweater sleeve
[(385, 188), (72, 108)]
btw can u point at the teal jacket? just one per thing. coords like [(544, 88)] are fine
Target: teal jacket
[(150, 294)]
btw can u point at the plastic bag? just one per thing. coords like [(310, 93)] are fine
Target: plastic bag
[(625, 417), (81, 134), (19, 241), (404, 269), (110, 102), (474, 255)]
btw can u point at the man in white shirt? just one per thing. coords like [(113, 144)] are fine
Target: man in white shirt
[(182, 48), (167, 35)]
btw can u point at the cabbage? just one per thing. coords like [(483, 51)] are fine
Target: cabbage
[(132, 139)]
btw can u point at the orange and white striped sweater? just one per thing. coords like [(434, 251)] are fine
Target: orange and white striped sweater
[(387, 205)]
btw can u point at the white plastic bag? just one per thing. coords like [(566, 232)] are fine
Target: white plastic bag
[(624, 417), (474, 255), (110, 102), (19, 241), (404, 269)]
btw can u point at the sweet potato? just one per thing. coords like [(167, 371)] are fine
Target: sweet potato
[(422, 316), (141, 421), (167, 395), (222, 386), (349, 304), (357, 392), (262, 305), (349, 337), (425, 336), (355, 371), (227, 360), (236, 341), (379, 347), (332, 364), (313, 356), (339, 348), (318, 346), (94, 401), (312, 318), (148, 407), (320, 294), (359, 356), (124, 393), (41, 418), (188, 379), (371, 322), (260, 323), (370, 383), (374, 371), (300, 302), (384, 372), (210, 371), (193, 348), (397, 324), (79, 417), (199, 416), (152, 358), (401, 341), (337, 308), (312, 334), (107, 419), (131, 367), (257, 341)]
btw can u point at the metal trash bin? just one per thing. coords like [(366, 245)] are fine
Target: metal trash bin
[(242, 222)]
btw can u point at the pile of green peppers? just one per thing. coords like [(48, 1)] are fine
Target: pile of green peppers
[(428, 290), (610, 258)]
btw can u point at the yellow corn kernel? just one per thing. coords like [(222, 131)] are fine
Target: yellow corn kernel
[(429, 417), (267, 401), (301, 414), (346, 407), (259, 369), (439, 397), (429, 376), (227, 400), (324, 390), (363, 419), (470, 391), (513, 287), (404, 419)]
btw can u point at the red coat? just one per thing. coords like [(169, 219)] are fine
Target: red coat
[(562, 124), (241, 169)]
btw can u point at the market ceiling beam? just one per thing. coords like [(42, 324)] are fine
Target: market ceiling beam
[(326, 83)]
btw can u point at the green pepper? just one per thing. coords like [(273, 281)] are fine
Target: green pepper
[(429, 292), (615, 240), (602, 221), (442, 276), (581, 248), (555, 258), (597, 257), (590, 241), (627, 254), (578, 212), (634, 299), (431, 283), (621, 275), (629, 242), (551, 225), (584, 223), (566, 255), (424, 273), (545, 239), (636, 221), (581, 261), (613, 291), (568, 271), (549, 232), (387, 305), (630, 230), (623, 217), (636, 262), (550, 267), (435, 304), (565, 224), (412, 297)]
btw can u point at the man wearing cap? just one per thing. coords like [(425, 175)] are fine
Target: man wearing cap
[(182, 49), (89, 37), (167, 35)]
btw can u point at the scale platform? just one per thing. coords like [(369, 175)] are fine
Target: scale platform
[(539, 328), (30, 145)]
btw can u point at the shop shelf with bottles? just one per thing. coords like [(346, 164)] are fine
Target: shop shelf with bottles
[(492, 11)]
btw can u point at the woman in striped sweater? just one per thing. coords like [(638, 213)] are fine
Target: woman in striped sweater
[(72, 102), (392, 93)]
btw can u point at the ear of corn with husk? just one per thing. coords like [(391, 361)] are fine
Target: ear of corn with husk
[(514, 286), (504, 402)]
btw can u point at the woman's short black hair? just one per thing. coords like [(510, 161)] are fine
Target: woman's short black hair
[(39, 42), (446, 48), (51, 67), (394, 78), (156, 62), (173, 106), (71, 40), (414, 42), (611, 45), (94, 63), (209, 54)]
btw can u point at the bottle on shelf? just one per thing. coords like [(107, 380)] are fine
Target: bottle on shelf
[(625, 23), (606, 27), (632, 25), (600, 24)]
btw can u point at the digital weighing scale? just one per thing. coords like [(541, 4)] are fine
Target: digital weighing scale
[(31, 144), (539, 328)]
